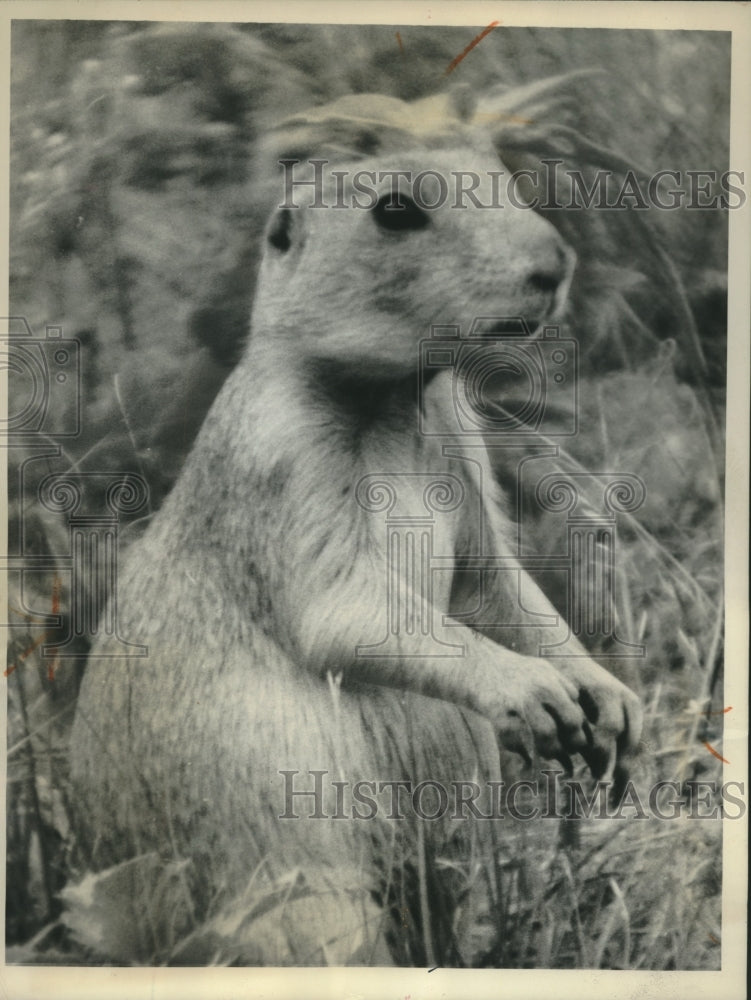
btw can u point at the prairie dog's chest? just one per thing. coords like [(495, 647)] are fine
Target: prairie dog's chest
[(419, 508)]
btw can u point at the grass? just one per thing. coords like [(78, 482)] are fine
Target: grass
[(638, 894)]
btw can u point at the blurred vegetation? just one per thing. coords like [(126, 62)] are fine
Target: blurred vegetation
[(138, 194)]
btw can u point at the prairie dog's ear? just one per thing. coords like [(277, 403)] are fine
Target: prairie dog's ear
[(285, 231)]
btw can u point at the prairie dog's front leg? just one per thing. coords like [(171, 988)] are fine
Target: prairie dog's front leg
[(612, 710), (532, 706)]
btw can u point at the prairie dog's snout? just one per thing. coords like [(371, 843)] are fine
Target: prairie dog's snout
[(548, 281), (544, 266)]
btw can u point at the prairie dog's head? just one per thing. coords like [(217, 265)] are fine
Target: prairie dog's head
[(359, 264)]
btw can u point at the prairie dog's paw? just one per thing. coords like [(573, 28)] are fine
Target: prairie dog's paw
[(614, 718), (536, 710)]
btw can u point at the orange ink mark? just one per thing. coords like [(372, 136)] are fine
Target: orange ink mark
[(713, 939), (399, 41), (53, 667), (57, 584), (27, 652), (475, 41), (714, 753)]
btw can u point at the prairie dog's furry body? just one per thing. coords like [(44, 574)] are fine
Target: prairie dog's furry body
[(262, 573)]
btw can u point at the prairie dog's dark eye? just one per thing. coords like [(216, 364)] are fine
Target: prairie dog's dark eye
[(280, 232), (399, 214)]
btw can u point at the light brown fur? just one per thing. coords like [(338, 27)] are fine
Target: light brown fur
[(262, 573)]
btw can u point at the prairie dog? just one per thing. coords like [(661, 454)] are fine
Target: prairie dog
[(264, 573)]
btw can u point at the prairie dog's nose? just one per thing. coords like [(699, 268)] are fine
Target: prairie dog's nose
[(547, 276), (548, 280)]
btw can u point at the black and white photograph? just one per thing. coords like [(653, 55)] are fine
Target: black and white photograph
[(375, 592)]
